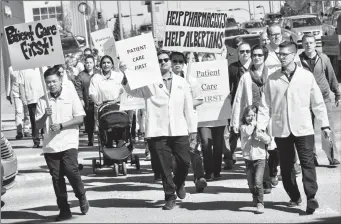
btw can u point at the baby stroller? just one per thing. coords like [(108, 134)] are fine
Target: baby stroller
[(114, 139)]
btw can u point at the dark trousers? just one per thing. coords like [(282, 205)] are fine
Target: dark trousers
[(35, 132), (212, 143), (273, 162), (65, 164), (233, 141), (305, 150), (197, 164), (165, 147), (155, 162), (266, 177), (89, 121), (254, 175)]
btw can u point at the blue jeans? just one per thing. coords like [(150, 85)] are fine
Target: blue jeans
[(254, 175)]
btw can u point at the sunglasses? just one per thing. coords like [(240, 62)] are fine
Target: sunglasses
[(258, 55), (245, 51), (176, 61), (163, 60), (285, 54)]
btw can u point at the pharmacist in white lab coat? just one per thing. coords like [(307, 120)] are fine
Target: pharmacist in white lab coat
[(170, 119)]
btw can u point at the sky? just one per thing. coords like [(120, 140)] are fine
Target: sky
[(110, 7)]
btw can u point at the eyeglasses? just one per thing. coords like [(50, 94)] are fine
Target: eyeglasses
[(245, 51), (275, 34), (257, 55), (176, 61), (163, 60), (285, 54)]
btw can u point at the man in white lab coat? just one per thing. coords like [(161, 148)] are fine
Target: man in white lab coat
[(170, 119), (288, 96)]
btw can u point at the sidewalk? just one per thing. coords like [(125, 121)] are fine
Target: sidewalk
[(7, 114)]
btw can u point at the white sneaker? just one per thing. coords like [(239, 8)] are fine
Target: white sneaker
[(260, 208)]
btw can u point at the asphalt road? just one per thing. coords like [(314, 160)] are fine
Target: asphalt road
[(135, 198)]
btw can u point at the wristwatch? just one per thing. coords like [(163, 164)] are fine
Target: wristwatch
[(61, 126)]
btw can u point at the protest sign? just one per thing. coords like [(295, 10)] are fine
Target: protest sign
[(100, 37), (213, 80), (199, 31), (109, 48), (35, 44), (131, 103), (139, 55)]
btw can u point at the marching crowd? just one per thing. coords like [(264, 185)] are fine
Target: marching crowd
[(275, 95)]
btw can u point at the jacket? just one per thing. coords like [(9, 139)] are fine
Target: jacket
[(167, 114), (235, 73), (324, 75), (82, 84), (252, 149), (289, 103)]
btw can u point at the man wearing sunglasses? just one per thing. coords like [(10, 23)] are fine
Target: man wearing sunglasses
[(236, 70), (170, 119), (289, 95), (178, 60)]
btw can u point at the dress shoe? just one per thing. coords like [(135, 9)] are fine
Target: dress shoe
[(334, 162), (36, 145), (90, 144), (19, 136), (312, 205), (217, 176), (267, 190), (64, 214), (181, 192), (228, 164), (170, 204), (208, 177), (157, 178), (200, 185), (294, 203), (84, 204)]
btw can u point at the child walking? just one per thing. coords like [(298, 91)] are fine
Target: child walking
[(254, 152)]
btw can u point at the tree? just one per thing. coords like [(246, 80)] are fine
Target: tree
[(117, 33), (66, 23)]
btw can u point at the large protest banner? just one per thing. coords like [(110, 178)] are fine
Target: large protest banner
[(100, 37), (35, 44), (199, 31), (213, 80), (139, 54)]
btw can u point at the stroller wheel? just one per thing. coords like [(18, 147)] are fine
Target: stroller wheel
[(115, 169), (124, 169), (137, 162), (94, 166)]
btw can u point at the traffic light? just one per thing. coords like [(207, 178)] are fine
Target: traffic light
[(99, 15)]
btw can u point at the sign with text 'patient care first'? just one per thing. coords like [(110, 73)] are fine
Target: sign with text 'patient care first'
[(213, 80), (35, 44), (198, 31)]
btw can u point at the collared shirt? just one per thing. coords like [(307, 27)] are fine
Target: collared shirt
[(310, 61), (33, 87), (104, 89), (64, 108), (167, 80), (291, 74)]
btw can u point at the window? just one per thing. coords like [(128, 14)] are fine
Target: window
[(310, 21), (47, 13)]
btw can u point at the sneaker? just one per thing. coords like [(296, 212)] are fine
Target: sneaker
[(312, 205), (148, 158), (84, 204), (228, 164), (267, 190), (170, 204), (200, 185), (334, 162), (316, 162), (260, 208), (292, 203), (64, 214), (297, 168), (208, 177), (181, 192), (19, 136), (36, 145), (274, 181)]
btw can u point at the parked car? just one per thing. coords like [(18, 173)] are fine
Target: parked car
[(330, 24), (9, 165), (296, 26), (271, 18), (230, 34), (254, 26), (70, 43)]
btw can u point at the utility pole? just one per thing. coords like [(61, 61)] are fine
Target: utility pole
[(153, 17), (120, 18), (249, 9), (2, 38), (131, 19), (95, 14), (270, 6)]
